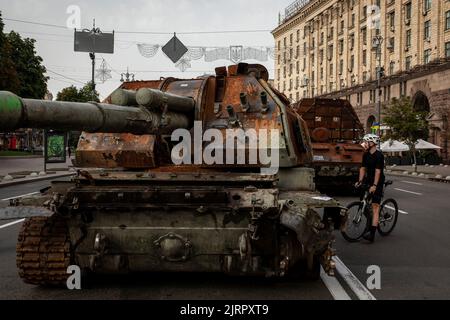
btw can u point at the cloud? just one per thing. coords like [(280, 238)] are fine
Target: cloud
[(141, 15)]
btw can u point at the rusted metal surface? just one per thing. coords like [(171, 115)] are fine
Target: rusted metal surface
[(116, 150), (335, 132)]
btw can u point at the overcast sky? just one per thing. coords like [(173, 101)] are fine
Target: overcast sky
[(55, 45)]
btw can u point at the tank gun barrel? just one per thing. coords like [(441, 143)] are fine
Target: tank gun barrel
[(159, 100), (16, 113)]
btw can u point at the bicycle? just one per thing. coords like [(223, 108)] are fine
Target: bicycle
[(360, 216)]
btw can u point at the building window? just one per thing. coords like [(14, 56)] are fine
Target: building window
[(447, 20), (408, 11), (427, 5), (364, 57), (341, 66), (408, 62), (447, 49), (352, 63), (408, 38), (392, 20), (352, 41), (391, 68), (391, 44), (364, 13), (341, 46), (364, 35), (427, 56), (427, 30)]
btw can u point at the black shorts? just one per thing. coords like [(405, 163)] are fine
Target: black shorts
[(377, 196)]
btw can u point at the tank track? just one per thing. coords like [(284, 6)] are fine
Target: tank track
[(43, 251)]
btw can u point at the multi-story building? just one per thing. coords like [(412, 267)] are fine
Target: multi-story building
[(332, 48)]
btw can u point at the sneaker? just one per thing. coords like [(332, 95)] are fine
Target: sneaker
[(370, 234)]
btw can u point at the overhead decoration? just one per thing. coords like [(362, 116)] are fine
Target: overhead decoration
[(235, 54), (103, 73), (148, 50)]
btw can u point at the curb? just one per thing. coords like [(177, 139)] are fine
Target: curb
[(427, 176), (31, 180), (20, 157), (400, 174)]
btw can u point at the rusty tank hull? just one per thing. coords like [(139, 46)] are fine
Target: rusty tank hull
[(335, 133), (129, 208)]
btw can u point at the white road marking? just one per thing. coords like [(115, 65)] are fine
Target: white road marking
[(358, 288), (11, 223), (333, 285), (21, 196), (414, 183), (393, 209), (407, 191)]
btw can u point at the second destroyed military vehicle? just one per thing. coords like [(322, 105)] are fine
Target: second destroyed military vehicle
[(143, 201), (335, 132)]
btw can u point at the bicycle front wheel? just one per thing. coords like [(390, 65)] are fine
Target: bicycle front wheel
[(388, 217), (356, 223)]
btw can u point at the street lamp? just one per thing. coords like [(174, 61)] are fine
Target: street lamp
[(376, 45)]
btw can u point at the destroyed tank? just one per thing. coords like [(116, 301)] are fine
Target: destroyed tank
[(133, 206), (336, 133)]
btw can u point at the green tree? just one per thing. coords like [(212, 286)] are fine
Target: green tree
[(82, 95), (407, 124), (8, 75), (21, 69)]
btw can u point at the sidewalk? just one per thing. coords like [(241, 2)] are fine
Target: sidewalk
[(426, 172), (17, 170)]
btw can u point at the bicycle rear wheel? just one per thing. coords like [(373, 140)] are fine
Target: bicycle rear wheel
[(388, 217), (356, 223)]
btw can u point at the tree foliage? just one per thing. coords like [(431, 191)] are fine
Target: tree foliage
[(21, 69), (84, 94), (406, 124)]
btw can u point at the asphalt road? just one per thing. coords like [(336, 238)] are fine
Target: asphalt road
[(414, 262)]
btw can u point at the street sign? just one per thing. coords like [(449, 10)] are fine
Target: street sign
[(98, 42), (55, 147), (175, 49)]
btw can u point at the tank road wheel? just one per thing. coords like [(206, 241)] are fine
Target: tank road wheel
[(43, 251)]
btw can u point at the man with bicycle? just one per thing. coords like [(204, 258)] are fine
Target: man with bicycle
[(372, 174)]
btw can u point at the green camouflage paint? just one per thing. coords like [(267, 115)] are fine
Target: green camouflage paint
[(9, 102)]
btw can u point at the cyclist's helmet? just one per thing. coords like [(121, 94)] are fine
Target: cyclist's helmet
[(372, 138)]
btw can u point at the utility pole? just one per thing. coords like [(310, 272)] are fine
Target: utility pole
[(94, 32), (377, 45)]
